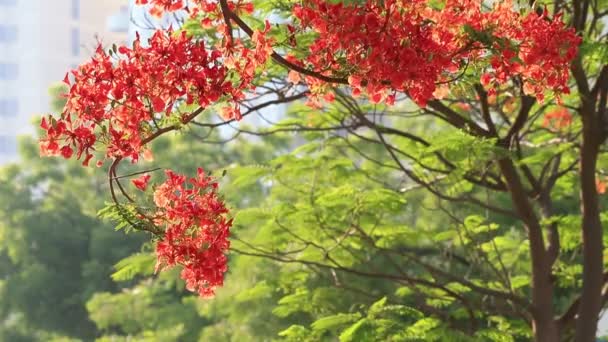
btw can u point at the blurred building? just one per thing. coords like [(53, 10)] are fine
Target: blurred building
[(39, 41)]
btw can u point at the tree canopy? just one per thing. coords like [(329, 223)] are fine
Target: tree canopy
[(438, 172)]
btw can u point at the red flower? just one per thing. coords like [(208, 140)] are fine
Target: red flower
[(557, 119), (294, 77), (485, 79), (66, 152), (141, 182), (158, 104), (600, 186)]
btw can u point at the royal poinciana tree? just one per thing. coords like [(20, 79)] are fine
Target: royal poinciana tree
[(525, 85)]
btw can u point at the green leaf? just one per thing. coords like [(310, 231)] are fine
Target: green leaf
[(243, 176), (377, 306), (334, 321), (260, 290), (295, 333), (362, 331), (298, 301), (131, 266)]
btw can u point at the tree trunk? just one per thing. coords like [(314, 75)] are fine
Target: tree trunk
[(591, 296), (544, 325), (545, 331)]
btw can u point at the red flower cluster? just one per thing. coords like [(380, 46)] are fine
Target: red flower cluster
[(245, 61), (196, 230), (116, 101), (160, 6), (385, 43), (557, 119), (238, 58), (62, 131), (545, 50), (408, 46)]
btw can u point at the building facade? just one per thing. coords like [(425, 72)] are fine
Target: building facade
[(39, 41)]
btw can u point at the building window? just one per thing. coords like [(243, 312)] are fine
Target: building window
[(75, 9), (9, 71), (9, 107), (8, 2), (8, 33), (75, 42), (7, 145)]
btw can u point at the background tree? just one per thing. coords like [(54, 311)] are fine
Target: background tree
[(56, 254)]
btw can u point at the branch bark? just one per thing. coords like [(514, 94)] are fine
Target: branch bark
[(543, 323)]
